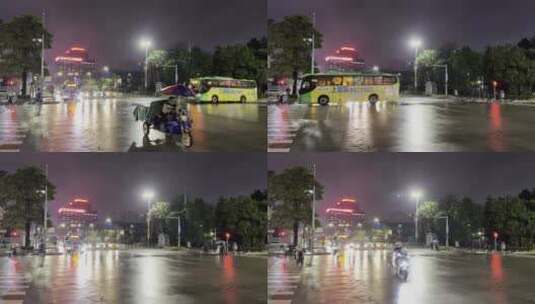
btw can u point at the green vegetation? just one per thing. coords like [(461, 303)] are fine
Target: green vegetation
[(289, 46), (22, 199), (290, 198), (20, 52)]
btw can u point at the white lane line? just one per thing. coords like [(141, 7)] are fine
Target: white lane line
[(279, 150)]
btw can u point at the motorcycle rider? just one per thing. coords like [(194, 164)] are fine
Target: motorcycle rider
[(398, 253)]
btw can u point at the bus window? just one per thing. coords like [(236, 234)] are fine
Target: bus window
[(337, 81), (368, 80), (348, 81), (378, 80), (324, 81), (307, 85), (389, 80)]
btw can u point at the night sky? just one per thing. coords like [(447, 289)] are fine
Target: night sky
[(111, 29), (114, 182), (382, 182), (380, 29)]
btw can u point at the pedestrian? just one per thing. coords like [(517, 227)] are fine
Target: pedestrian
[(300, 257), (235, 247)]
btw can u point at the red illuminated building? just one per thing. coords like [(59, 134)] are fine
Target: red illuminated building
[(75, 64), (346, 59), (77, 213), (344, 215)]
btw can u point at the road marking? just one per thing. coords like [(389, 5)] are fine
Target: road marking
[(12, 135), (283, 126), (282, 284), (13, 288)]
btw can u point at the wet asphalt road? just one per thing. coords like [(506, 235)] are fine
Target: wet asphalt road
[(139, 277), (108, 125), (416, 124), (365, 277)]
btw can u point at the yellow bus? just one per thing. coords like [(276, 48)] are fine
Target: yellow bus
[(224, 89), (346, 87)]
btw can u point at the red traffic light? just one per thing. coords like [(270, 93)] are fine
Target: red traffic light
[(227, 235), (495, 234)]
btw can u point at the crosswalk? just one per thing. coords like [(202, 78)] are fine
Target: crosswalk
[(283, 282), (12, 132), (13, 287), (283, 126)]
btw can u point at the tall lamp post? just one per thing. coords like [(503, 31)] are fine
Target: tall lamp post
[(148, 195), (146, 44), (416, 195), (43, 53), (415, 43)]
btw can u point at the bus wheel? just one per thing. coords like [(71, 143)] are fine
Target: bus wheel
[(243, 99), (373, 99), (215, 99), (323, 100)]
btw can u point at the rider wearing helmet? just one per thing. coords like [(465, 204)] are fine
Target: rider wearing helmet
[(397, 253)]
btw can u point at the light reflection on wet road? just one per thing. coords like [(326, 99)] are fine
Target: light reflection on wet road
[(108, 125), (139, 277), (413, 125), (366, 277)]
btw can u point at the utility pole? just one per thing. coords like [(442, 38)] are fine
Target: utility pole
[(43, 53), (313, 212), (445, 66), (146, 66), (45, 219), (313, 46), (416, 69), (416, 220), (148, 222), (176, 73)]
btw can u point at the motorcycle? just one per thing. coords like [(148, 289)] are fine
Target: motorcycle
[(401, 268), (174, 121)]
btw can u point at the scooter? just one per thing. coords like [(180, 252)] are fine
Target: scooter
[(401, 269)]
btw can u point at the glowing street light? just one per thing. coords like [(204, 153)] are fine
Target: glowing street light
[(108, 220), (416, 194), (105, 69), (415, 43), (376, 220), (375, 68), (148, 195), (145, 43)]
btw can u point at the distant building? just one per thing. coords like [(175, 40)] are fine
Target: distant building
[(344, 216), (346, 59), (76, 217), (74, 66)]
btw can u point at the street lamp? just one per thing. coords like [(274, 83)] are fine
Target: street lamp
[(375, 68), (415, 43), (227, 236), (105, 69), (376, 220), (108, 220), (416, 194), (146, 44), (148, 195)]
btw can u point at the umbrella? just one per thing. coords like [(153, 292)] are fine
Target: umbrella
[(178, 90)]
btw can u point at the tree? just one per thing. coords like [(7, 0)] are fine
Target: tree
[(292, 205), (427, 213), (511, 67), (158, 60), (289, 46), (465, 218), (158, 212), (244, 218), (18, 48), (25, 195), (465, 69), (237, 61)]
